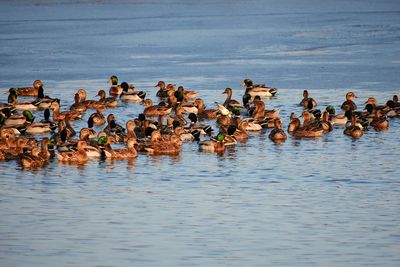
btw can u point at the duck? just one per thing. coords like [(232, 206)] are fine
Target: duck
[(353, 130), (77, 105), (258, 89), (59, 116), (115, 89), (336, 119), (162, 92), (213, 145), (307, 102), (203, 113), (324, 123), (129, 95), (80, 156), (26, 105), (379, 122), (294, 123), (30, 91), (187, 94), (125, 153), (349, 103), (7, 139), (164, 145), (239, 133), (229, 102), (277, 134), (189, 107), (109, 102), (155, 111), (97, 118), (391, 110), (16, 120), (395, 100), (112, 127), (260, 113), (251, 125), (32, 159), (91, 104), (307, 129)]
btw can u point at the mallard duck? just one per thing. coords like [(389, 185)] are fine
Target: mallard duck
[(109, 102), (32, 159), (162, 92), (59, 116), (93, 104), (115, 89), (258, 89), (164, 145), (30, 91), (379, 122), (80, 156), (325, 124), (260, 113), (229, 102), (349, 104), (308, 129), (307, 101), (353, 130), (213, 145), (125, 153), (155, 111), (112, 127), (129, 95), (391, 110), (15, 120), (277, 134), (239, 132), (188, 107), (203, 113), (27, 105), (77, 105), (251, 125), (294, 123), (186, 93), (98, 118), (7, 139)]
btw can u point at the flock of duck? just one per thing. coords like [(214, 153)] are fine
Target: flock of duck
[(161, 129)]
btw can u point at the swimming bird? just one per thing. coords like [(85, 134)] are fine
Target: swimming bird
[(129, 95), (353, 130), (229, 102), (277, 134), (30, 91), (258, 89), (80, 156), (109, 102), (307, 101), (213, 145), (155, 111), (349, 103)]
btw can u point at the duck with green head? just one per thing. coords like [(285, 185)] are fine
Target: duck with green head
[(258, 89), (115, 89)]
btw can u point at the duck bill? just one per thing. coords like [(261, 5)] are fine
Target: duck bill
[(109, 81), (243, 84)]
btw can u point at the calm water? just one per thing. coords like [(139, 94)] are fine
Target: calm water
[(327, 202)]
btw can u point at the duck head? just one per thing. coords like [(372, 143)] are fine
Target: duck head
[(247, 83), (113, 80)]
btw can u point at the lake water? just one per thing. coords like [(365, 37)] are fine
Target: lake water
[(333, 201)]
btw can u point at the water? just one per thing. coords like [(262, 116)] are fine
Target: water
[(327, 202)]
